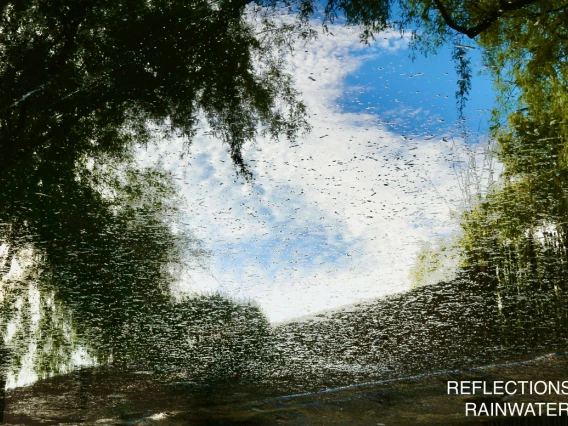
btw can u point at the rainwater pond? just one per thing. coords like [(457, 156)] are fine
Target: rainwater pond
[(226, 213)]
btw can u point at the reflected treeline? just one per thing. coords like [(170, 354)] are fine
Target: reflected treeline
[(101, 255), (518, 234), (91, 77), (88, 269), (438, 327), (91, 241), (207, 339)]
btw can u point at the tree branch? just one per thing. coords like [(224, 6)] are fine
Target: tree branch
[(474, 31)]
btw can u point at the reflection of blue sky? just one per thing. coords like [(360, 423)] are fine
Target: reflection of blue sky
[(417, 95), (338, 216), (286, 247), (207, 169)]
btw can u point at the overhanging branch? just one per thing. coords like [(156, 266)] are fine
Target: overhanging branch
[(474, 31)]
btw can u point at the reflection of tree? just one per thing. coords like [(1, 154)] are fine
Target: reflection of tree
[(81, 83), (532, 198), (103, 257), (99, 251), (518, 234), (435, 263), (208, 338), (4, 362), (74, 74)]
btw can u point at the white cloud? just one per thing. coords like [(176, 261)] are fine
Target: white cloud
[(330, 220)]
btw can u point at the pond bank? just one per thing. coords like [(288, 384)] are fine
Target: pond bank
[(104, 397)]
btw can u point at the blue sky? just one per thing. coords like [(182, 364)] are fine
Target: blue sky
[(418, 94), (338, 216)]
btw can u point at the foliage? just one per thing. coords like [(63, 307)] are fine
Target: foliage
[(103, 283), (92, 77), (522, 41), (100, 244), (436, 263), (531, 200), (207, 338)]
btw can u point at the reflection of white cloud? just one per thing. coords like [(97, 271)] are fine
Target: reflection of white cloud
[(330, 220)]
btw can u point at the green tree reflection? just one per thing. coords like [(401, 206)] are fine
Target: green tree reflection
[(81, 84), (89, 77), (103, 255)]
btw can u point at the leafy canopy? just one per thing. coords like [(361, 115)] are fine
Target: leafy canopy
[(94, 76)]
